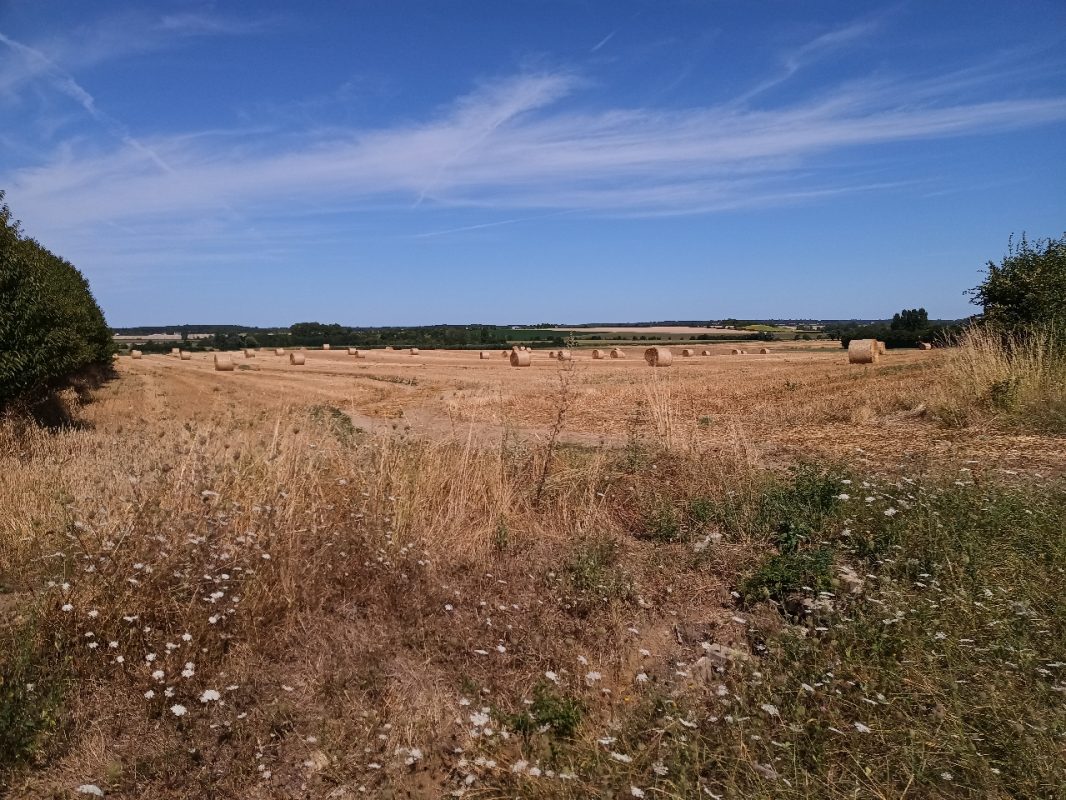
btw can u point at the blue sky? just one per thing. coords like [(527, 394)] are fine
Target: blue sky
[(378, 163)]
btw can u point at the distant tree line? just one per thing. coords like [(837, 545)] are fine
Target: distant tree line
[(906, 329), (51, 329)]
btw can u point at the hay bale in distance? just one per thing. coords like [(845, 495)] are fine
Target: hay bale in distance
[(521, 358), (882, 348), (688, 352), (279, 351), (184, 356), (325, 347), (564, 355), (618, 352), (863, 351), (705, 352), (764, 351), (736, 351), (506, 353), (924, 346), (224, 362), (597, 354), (485, 354), (659, 356), (175, 351), (297, 358), (135, 354), (249, 352), (413, 351)]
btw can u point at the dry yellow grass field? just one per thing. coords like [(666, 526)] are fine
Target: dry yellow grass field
[(391, 576)]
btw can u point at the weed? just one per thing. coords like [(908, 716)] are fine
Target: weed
[(559, 713)]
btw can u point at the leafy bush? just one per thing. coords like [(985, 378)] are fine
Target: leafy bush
[(50, 325), (1028, 287)]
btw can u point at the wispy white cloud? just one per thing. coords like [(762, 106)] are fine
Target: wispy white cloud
[(513, 144), (600, 44), (113, 39)]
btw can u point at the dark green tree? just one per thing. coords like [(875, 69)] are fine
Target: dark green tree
[(1028, 287), (51, 327)]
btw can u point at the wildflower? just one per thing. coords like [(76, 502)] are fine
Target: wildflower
[(534, 772), (592, 677), (213, 619), (150, 658), (67, 607), (449, 607), (659, 768), (479, 719), (120, 659), (90, 788), (641, 677), (501, 649), (622, 757), (94, 614), (149, 694), (843, 496), (186, 637), (947, 776), (633, 790), (770, 709), (861, 728), (551, 676), (209, 695), (519, 766), (178, 710), (890, 512), (159, 675)]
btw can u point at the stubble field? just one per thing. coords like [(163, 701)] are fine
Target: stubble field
[(435, 575)]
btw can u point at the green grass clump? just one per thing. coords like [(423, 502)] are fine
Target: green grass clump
[(942, 676), (32, 689)]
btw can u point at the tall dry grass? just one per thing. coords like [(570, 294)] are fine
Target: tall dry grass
[(1019, 377)]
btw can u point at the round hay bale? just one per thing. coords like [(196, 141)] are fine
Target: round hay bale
[(764, 351), (279, 351), (705, 352), (598, 354), (135, 354), (297, 358), (564, 355), (863, 351), (551, 354), (659, 356), (688, 352), (485, 354), (325, 347), (175, 351), (223, 362), (924, 346), (506, 353), (413, 351), (249, 352), (184, 356), (617, 352), (882, 348), (521, 358)]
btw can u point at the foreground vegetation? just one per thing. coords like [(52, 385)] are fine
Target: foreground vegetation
[(275, 606)]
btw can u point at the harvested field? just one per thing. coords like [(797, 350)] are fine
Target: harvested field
[(435, 575)]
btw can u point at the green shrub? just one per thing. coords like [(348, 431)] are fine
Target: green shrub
[(50, 325)]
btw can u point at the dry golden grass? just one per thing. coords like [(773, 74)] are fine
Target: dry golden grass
[(359, 556)]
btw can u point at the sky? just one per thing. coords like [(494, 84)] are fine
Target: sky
[(528, 161)]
